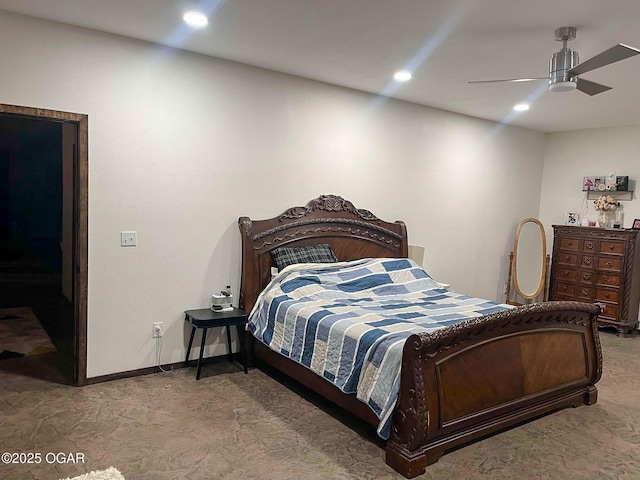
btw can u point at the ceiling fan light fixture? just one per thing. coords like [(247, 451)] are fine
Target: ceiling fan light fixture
[(521, 107), (563, 86)]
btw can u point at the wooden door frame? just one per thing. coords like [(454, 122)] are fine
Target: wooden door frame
[(81, 223)]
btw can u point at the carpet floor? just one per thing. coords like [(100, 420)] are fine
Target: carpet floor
[(22, 334), (230, 425)]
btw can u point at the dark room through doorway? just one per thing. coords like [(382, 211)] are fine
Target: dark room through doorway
[(38, 247)]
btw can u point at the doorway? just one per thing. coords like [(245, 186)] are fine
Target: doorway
[(43, 228)]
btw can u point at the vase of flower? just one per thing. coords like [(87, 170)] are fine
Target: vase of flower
[(606, 206)]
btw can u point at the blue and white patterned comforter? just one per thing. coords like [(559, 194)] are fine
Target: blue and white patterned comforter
[(348, 322)]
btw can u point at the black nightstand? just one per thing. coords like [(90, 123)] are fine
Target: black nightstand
[(206, 318)]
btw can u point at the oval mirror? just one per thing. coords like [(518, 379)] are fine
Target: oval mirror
[(529, 258)]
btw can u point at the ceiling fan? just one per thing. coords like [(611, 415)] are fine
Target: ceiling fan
[(564, 66)]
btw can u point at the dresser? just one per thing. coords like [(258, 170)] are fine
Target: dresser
[(598, 265)]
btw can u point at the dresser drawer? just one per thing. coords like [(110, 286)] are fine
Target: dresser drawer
[(568, 259), (603, 295), (609, 263), (565, 290), (612, 246), (570, 244), (567, 275), (610, 279)]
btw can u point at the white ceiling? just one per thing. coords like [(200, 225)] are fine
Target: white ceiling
[(361, 43)]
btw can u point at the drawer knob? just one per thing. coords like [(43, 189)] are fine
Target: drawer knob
[(587, 261), (606, 295), (567, 257), (569, 242), (588, 244), (585, 292), (566, 273), (611, 246), (586, 276), (564, 288), (609, 264)]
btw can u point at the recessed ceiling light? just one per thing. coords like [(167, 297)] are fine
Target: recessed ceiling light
[(195, 19), (402, 76), (521, 107)]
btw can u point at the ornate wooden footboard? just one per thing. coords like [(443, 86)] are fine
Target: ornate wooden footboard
[(458, 384), (491, 373)]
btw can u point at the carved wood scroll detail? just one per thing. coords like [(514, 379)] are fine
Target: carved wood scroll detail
[(328, 203), (244, 224), (410, 426), (594, 233), (628, 269), (378, 234), (577, 313)]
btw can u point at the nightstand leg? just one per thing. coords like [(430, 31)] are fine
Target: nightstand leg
[(229, 352), (186, 360), (204, 337), (241, 342)]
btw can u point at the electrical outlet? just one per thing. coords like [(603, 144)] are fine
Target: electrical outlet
[(504, 290), (157, 330), (128, 239)]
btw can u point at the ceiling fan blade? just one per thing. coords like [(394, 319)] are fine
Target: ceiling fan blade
[(510, 80), (614, 54), (591, 88)]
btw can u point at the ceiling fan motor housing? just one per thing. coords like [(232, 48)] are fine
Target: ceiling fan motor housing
[(560, 64)]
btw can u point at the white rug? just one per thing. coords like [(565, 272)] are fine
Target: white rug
[(108, 474)]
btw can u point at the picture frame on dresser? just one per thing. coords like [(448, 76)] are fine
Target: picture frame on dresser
[(571, 218), (636, 224)]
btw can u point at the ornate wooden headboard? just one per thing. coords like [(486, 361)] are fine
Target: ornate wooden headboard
[(352, 233)]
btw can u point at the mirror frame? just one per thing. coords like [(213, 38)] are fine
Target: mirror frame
[(543, 256)]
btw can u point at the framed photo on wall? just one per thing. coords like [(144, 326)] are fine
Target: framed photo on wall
[(622, 183), (571, 218), (599, 184), (588, 184), (636, 224)]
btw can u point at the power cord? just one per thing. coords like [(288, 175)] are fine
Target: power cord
[(585, 205), (159, 351)]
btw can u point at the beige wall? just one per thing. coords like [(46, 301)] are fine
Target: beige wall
[(181, 145), (570, 156)]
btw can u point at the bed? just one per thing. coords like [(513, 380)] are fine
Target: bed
[(456, 384)]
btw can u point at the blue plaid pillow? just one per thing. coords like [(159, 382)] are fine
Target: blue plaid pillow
[(284, 256)]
